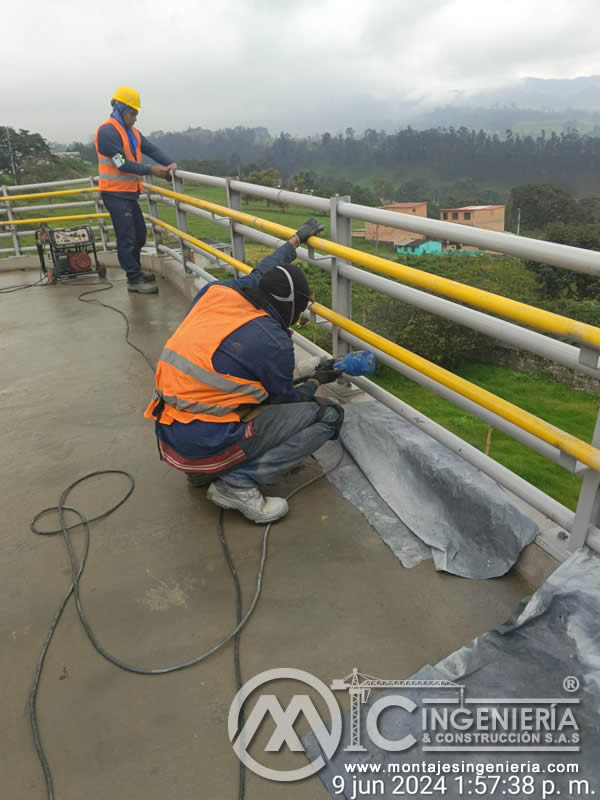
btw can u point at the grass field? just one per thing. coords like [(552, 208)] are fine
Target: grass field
[(570, 410), (538, 393)]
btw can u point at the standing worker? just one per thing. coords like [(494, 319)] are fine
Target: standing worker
[(225, 405), (119, 147)]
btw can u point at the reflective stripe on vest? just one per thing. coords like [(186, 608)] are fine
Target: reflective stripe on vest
[(110, 177), (195, 408), (185, 378)]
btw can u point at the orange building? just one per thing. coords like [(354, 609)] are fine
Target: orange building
[(489, 217), (396, 236)]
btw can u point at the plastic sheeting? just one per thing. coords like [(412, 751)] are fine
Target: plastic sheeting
[(428, 501), (552, 639)]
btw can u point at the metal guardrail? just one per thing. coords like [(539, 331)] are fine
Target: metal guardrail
[(573, 454), (551, 438), (8, 207)]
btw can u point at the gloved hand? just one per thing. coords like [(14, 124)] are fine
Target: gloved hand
[(325, 404), (310, 228), (325, 372)]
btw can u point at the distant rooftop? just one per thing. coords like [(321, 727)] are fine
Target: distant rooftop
[(470, 208), (404, 205)]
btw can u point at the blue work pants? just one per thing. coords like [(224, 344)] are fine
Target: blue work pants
[(283, 436), (130, 230)]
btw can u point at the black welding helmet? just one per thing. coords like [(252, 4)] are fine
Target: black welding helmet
[(288, 291)]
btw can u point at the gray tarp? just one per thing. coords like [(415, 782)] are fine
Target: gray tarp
[(552, 637), (428, 501)]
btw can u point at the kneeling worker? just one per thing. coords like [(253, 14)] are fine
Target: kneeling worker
[(226, 409)]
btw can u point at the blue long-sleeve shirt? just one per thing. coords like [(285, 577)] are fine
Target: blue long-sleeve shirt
[(259, 350), (110, 145)]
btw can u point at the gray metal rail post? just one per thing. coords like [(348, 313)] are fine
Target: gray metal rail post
[(99, 210), (341, 288), (153, 209), (10, 216), (182, 221), (234, 200), (587, 514)]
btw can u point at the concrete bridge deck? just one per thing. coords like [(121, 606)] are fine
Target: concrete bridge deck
[(156, 589)]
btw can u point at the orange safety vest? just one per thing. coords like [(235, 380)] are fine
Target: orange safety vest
[(186, 380), (111, 178)]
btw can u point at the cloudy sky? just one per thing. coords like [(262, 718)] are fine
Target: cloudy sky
[(303, 66)]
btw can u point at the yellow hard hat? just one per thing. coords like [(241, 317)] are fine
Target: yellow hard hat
[(129, 96)]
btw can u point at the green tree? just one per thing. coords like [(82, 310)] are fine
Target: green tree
[(264, 177), (555, 283), (383, 189), (588, 210), (542, 204), (416, 190), (22, 151), (363, 196)]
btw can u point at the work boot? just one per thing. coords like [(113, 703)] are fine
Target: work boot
[(250, 502), (148, 277), (142, 288)]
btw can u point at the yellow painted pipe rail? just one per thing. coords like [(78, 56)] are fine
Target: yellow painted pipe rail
[(523, 419), (39, 220), (62, 193), (494, 303), (198, 243), (581, 450)]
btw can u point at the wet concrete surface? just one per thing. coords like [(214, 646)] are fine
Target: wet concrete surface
[(156, 588)]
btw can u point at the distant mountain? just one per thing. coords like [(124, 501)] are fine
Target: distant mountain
[(543, 94), (527, 107)]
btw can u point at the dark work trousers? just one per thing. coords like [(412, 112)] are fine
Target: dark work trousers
[(130, 230)]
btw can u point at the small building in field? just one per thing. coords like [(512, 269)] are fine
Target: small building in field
[(422, 247), (396, 236), (489, 217), (419, 247)]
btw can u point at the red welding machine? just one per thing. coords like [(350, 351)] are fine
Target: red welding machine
[(71, 251)]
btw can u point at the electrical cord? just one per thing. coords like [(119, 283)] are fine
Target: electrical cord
[(77, 571), (18, 286), (108, 285)]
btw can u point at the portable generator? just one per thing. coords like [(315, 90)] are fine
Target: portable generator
[(71, 251)]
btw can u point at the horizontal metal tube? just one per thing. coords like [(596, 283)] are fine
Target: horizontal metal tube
[(560, 255), (31, 248), (210, 256), (573, 446), (251, 233), (535, 497), (198, 212), (265, 192), (273, 241), (544, 449), (523, 313), (34, 195), (524, 339), (33, 232), (282, 196), (189, 264), (103, 215), (197, 177), (72, 182), (224, 223), (46, 206), (529, 423)]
